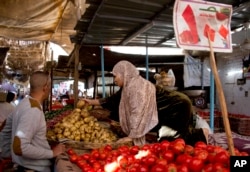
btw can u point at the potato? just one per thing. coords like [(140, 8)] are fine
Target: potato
[(72, 137), (77, 138), (84, 113), (82, 128), (73, 129), (66, 133), (80, 104), (58, 130), (72, 121), (82, 136), (77, 124), (88, 119), (87, 135), (91, 123), (77, 132), (67, 124), (59, 136), (78, 110)]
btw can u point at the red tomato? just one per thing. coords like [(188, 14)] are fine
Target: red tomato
[(123, 162), (143, 168), (164, 145), (156, 148), (222, 157), (134, 150), (85, 156), (218, 167), (132, 169), (168, 155), (182, 168), (244, 154), (195, 165), (201, 154), (237, 152), (189, 149), (183, 159), (178, 148), (87, 168), (146, 147), (114, 153), (180, 140), (218, 149), (210, 157), (70, 151), (96, 165), (208, 168), (103, 155), (131, 159), (123, 149), (95, 154), (92, 161), (108, 148), (158, 168), (162, 162), (200, 145), (210, 148), (73, 158), (171, 167), (81, 163), (109, 158), (150, 160)]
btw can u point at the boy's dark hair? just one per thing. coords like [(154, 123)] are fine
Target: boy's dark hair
[(10, 97)]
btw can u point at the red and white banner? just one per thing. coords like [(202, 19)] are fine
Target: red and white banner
[(195, 21)]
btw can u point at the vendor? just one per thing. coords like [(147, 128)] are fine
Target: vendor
[(144, 107)]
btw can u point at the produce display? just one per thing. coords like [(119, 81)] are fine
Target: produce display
[(156, 157), (55, 116), (79, 125)]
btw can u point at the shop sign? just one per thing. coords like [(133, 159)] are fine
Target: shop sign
[(197, 21)]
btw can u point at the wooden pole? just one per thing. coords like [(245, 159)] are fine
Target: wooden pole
[(76, 75), (222, 101)]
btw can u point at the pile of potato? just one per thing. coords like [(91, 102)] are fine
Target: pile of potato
[(81, 126)]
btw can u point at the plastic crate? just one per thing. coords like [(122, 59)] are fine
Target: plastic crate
[(240, 124)]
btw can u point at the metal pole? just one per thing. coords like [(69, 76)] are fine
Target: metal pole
[(202, 73), (174, 63), (212, 101), (103, 79), (147, 57)]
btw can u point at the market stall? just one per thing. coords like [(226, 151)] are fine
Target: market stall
[(83, 155)]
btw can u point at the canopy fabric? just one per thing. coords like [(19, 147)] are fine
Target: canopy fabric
[(46, 20)]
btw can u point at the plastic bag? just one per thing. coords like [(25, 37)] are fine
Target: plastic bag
[(202, 123)]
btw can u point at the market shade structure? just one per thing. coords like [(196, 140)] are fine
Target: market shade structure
[(96, 22)]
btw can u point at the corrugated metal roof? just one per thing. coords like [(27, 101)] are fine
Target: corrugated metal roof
[(138, 22)]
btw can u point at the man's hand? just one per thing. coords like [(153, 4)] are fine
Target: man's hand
[(58, 149)]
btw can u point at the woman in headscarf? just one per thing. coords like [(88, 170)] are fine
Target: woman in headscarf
[(144, 107), (137, 109)]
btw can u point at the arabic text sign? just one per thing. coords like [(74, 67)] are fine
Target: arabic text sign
[(197, 21)]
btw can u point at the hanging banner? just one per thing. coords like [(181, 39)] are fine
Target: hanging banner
[(195, 20)]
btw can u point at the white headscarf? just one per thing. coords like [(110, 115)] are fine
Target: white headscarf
[(138, 109)]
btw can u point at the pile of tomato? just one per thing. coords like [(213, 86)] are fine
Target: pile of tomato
[(157, 157)]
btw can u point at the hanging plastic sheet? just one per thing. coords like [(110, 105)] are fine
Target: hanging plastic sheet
[(193, 72)]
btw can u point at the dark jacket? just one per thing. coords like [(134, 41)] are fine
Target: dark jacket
[(174, 111)]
